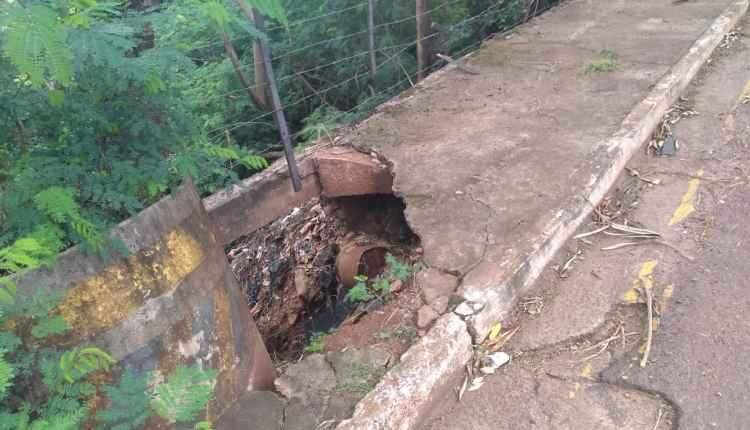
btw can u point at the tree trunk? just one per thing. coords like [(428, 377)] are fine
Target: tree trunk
[(277, 109), (424, 28), (232, 54), (371, 31), (261, 82)]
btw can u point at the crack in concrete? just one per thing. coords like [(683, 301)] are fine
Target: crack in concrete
[(601, 332)]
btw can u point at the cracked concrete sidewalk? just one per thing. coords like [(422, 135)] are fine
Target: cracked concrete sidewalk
[(578, 350), (485, 163), (495, 168)]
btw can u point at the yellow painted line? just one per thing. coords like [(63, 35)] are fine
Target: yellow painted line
[(745, 94), (646, 274), (687, 204), (645, 279), (631, 296), (666, 296), (587, 371), (572, 393)]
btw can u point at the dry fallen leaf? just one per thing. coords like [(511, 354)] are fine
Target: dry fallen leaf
[(495, 331)]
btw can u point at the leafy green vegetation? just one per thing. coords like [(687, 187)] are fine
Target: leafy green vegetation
[(395, 270), (129, 407), (359, 292), (184, 395), (107, 105), (317, 342), (360, 378), (605, 61), (43, 387)]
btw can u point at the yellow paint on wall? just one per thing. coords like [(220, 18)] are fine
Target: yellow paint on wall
[(687, 204), (108, 298)]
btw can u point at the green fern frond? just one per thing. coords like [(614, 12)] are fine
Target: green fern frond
[(184, 395), (90, 234), (271, 8), (69, 421), (58, 203), (14, 421), (129, 406), (254, 162), (79, 362), (240, 155), (9, 342), (49, 327), (6, 376), (7, 292), (36, 44), (216, 12), (82, 13), (31, 251)]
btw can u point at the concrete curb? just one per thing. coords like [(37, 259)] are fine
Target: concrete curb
[(401, 398)]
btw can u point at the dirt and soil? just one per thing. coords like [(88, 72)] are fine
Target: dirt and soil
[(288, 273)]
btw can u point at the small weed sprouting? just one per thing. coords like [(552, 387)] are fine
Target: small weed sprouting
[(317, 342), (359, 292), (406, 333), (396, 270), (604, 62), (383, 335), (381, 286), (360, 378)]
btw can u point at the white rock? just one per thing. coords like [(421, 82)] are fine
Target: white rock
[(499, 359)]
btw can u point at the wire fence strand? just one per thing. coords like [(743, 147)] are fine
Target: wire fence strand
[(401, 49)]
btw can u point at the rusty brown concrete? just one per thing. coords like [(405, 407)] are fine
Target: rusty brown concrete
[(173, 300), (260, 199), (344, 172)]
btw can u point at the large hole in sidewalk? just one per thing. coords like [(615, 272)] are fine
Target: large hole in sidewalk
[(288, 269)]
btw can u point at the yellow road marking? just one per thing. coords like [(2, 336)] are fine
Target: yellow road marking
[(587, 371), (745, 94), (631, 296), (687, 204), (666, 296), (645, 279), (572, 393)]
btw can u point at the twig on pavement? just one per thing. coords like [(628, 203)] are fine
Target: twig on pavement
[(650, 334), (658, 419)]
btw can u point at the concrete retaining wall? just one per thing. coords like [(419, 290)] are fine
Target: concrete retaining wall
[(256, 201), (173, 300)]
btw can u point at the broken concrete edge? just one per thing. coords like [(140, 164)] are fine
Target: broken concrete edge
[(401, 398), (330, 171), (396, 401)]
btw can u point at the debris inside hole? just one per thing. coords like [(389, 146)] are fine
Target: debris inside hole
[(288, 269)]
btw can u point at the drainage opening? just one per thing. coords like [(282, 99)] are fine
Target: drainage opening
[(297, 271)]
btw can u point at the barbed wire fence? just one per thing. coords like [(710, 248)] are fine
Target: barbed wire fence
[(365, 69)]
